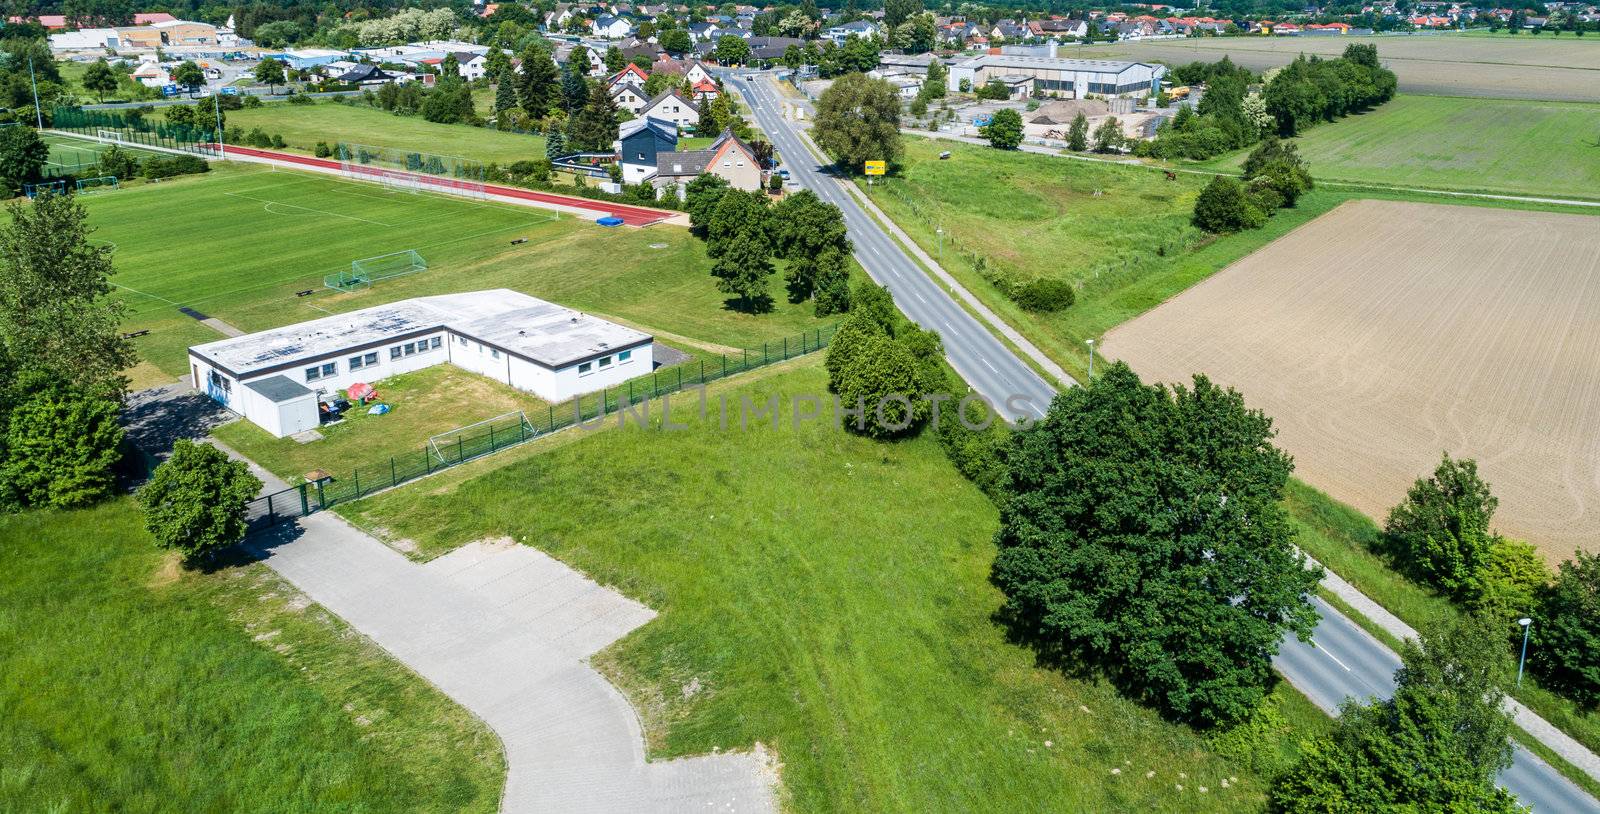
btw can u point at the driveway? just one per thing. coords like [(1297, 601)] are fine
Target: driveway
[(506, 631)]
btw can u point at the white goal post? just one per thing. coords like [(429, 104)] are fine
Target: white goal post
[(481, 438), (111, 135)]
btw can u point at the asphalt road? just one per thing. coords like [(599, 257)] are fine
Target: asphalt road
[(1346, 662), (983, 361), (1342, 662)]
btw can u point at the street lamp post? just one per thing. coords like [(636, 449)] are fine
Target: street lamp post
[(1526, 623), (1090, 343), (940, 232)]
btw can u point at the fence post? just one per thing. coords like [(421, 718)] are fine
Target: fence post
[(427, 462), (786, 347), (763, 353), (680, 377), (552, 409), (459, 453), (357, 476), (322, 497), (744, 363), (393, 479), (272, 516), (724, 365), (491, 438), (305, 502)]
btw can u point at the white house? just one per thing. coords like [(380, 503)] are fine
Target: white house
[(628, 96), (839, 33), (611, 28), (698, 73), (473, 66), (669, 105), (275, 378), (151, 75)]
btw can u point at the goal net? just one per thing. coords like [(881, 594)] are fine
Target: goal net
[(100, 184), (111, 135), (481, 438), (53, 187), (412, 171), (368, 270)]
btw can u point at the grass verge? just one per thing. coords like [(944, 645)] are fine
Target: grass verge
[(810, 601), (129, 684)]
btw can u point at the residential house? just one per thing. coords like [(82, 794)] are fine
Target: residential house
[(728, 157), (365, 75), (630, 74), (670, 106), (611, 28), (703, 32), (704, 92), (696, 73), (639, 142), (629, 96), (839, 33)]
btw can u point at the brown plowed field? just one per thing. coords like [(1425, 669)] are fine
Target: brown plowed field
[(1384, 333)]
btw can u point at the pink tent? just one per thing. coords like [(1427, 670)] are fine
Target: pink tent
[(359, 390)]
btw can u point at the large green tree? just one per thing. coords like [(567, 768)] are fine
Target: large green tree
[(676, 41), (732, 50), (189, 75), (23, 156), (700, 199), (1276, 165), (1078, 133), (99, 79), (1568, 653), (1004, 130), (594, 127), (883, 366), (811, 237), (1142, 534), (739, 237), (1435, 746), (269, 72), (195, 501), (538, 81), (62, 445), (1224, 206), (858, 120), (56, 308), (1440, 532)]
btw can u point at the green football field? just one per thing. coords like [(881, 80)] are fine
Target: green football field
[(251, 246)]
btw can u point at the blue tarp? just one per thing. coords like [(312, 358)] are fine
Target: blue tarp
[(610, 220), (378, 409)]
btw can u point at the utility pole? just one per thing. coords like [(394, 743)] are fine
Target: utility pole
[(38, 114), (222, 144)]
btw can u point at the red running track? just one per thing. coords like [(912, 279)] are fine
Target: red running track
[(631, 215)]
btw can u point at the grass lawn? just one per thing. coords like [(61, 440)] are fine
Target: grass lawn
[(423, 403), (127, 684), (1346, 541), (811, 602), (1495, 145), (1128, 249), (302, 126), (249, 239)]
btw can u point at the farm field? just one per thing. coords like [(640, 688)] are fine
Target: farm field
[(1451, 142), (127, 684), (1544, 67), (302, 126), (811, 603), (1444, 328), (240, 254)]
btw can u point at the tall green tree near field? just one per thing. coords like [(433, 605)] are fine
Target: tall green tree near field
[(1224, 206), (700, 199), (810, 234), (1078, 133), (1108, 137), (99, 79), (594, 127), (269, 72), (194, 503), (1142, 534), (1440, 532), (56, 308), (858, 120), (23, 156), (63, 444), (189, 75), (1435, 746), (574, 91), (1004, 129), (1276, 165), (497, 66), (1568, 655), (739, 239), (539, 81), (615, 61), (505, 97)]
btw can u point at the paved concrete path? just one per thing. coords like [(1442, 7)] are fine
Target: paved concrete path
[(506, 631)]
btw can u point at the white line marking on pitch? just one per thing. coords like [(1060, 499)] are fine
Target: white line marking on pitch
[(268, 202)]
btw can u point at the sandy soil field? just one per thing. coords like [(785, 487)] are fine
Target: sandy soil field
[(1385, 333), (1554, 68)]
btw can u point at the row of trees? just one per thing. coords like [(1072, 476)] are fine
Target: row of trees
[(1308, 90), (745, 234), (884, 365), (1442, 536)]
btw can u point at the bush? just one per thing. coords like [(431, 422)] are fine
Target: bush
[(1044, 295), (1568, 655), (155, 168), (258, 138), (1509, 586), (323, 150), (249, 100), (1440, 534), (978, 454), (195, 501), (278, 142), (1224, 207), (301, 99), (62, 447)]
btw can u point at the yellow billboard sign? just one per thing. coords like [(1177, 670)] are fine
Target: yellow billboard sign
[(876, 167)]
